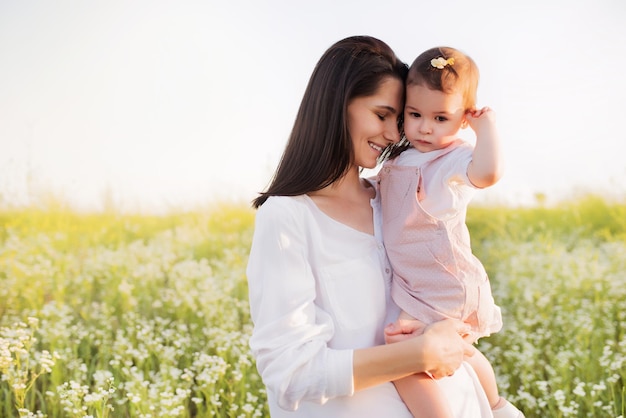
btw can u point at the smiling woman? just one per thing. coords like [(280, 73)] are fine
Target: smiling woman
[(373, 122), (318, 274), (320, 149)]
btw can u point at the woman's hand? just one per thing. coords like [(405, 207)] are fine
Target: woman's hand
[(439, 351), (445, 348)]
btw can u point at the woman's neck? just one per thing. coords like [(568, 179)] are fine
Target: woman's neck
[(350, 187), (347, 200)]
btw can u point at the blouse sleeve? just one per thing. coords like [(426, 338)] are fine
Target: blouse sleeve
[(291, 334), (458, 181)]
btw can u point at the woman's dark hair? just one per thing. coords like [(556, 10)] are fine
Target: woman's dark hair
[(319, 150)]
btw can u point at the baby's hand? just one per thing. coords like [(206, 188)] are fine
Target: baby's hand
[(481, 118), (403, 329)]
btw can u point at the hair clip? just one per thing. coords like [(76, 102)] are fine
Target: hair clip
[(441, 62)]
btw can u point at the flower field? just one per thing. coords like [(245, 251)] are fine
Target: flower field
[(114, 315)]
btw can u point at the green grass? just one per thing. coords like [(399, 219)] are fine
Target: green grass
[(119, 315), (559, 275)]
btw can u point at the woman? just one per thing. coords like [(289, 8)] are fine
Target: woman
[(318, 274)]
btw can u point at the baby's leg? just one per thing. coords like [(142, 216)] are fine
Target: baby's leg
[(423, 396), (486, 376), (420, 392), (500, 407)]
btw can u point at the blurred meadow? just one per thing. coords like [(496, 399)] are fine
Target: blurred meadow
[(119, 315)]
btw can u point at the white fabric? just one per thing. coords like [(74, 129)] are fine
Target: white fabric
[(318, 290), (446, 185)]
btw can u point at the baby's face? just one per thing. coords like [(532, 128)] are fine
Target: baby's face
[(432, 118)]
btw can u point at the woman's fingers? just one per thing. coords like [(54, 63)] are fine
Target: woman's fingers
[(447, 347)]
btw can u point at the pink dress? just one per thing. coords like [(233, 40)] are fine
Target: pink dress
[(436, 276)]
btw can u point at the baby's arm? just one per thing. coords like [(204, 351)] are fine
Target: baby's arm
[(486, 166)]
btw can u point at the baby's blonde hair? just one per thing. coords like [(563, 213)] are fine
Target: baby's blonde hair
[(458, 75)]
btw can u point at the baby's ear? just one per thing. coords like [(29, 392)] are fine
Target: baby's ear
[(464, 122)]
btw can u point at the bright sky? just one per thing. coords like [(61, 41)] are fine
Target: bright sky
[(160, 104)]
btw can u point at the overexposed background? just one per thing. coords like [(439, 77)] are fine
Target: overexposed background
[(154, 105)]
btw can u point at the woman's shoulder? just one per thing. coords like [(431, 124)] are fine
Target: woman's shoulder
[(281, 216), (284, 208), (283, 202)]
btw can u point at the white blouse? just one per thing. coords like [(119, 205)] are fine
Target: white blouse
[(318, 290)]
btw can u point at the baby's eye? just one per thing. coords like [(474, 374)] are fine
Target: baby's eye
[(441, 118), (414, 114)]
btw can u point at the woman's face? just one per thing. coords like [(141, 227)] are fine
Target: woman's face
[(373, 121)]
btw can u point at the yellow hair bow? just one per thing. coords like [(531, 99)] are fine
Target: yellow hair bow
[(441, 62)]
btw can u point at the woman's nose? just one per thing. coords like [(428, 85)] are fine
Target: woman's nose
[(392, 134)]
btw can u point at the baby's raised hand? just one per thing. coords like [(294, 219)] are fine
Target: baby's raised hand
[(481, 118)]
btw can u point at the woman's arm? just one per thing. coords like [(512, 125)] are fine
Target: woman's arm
[(292, 332), (439, 351)]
